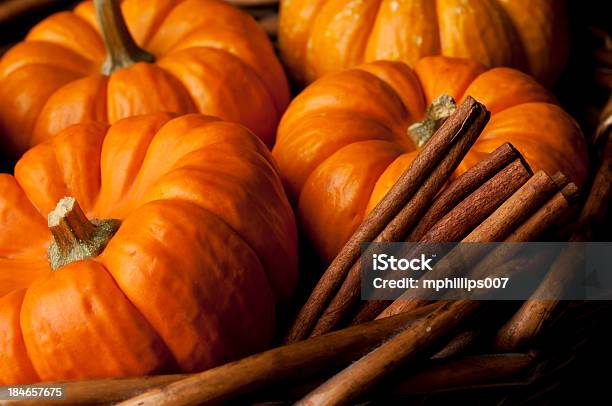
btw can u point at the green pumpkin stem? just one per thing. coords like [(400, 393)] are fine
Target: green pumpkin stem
[(75, 238), (441, 109), (121, 49)]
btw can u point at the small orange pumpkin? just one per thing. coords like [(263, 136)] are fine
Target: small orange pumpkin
[(204, 245), (345, 140), (201, 56), (318, 37)]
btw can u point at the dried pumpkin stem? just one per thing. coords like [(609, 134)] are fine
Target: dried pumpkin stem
[(75, 238), (441, 109), (121, 49)]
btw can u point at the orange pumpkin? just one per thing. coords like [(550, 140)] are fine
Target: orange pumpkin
[(318, 37), (201, 56), (343, 141), (204, 245)]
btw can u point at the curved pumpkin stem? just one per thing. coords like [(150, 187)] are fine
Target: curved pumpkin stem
[(121, 49), (441, 109), (75, 238)]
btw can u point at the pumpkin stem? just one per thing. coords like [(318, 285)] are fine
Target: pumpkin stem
[(121, 49), (441, 109), (75, 238)]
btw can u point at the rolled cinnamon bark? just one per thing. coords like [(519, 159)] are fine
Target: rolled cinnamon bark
[(464, 185), (295, 361), (534, 314), (545, 217), (458, 134), (415, 340), (477, 206), (467, 214), (497, 227)]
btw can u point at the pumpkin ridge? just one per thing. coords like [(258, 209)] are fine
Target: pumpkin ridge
[(101, 332), (178, 81), (290, 140), (139, 184), (155, 242), (57, 337), (255, 204), (395, 91), (420, 71), (527, 80), (274, 76), (82, 20), (328, 113), (258, 145), (526, 63), (27, 369), (58, 165), (388, 91), (178, 164), (128, 189), (170, 48), (237, 59), (229, 227), (372, 202), (157, 24), (289, 52), (369, 30), (6, 72), (37, 133), (436, 21), (35, 241), (360, 211), (173, 362), (18, 138)]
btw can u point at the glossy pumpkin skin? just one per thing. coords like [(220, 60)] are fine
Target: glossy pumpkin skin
[(318, 37), (343, 141), (206, 247), (210, 58)]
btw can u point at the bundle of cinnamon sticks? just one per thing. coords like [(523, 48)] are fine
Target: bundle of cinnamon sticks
[(538, 204), (499, 199)]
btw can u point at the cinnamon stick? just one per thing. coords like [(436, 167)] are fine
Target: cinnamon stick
[(468, 213), (514, 210), (534, 314), (281, 364), (468, 372), (479, 205), (531, 317), (546, 216), (468, 119), (476, 207), (348, 294), (102, 391), (420, 337), (496, 227), (533, 228), (458, 344), (465, 372), (464, 185)]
